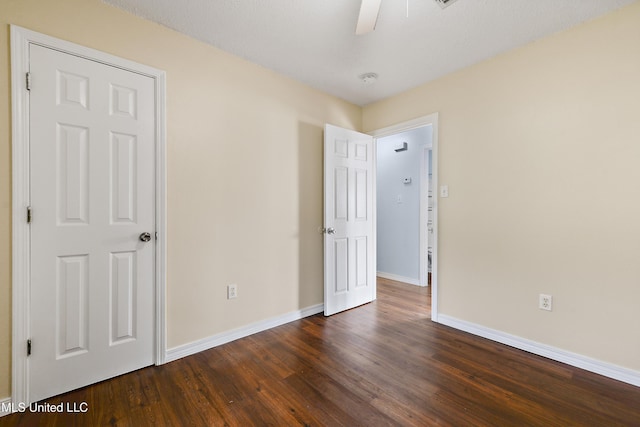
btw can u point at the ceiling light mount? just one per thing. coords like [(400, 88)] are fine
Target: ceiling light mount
[(368, 78)]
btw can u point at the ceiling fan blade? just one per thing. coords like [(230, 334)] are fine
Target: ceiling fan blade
[(368, 16)]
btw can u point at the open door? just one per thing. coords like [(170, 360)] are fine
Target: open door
[(349, 262)]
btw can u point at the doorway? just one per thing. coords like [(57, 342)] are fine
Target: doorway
[(406, 217)]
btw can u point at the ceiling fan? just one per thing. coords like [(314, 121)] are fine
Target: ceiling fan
[(369, 10)]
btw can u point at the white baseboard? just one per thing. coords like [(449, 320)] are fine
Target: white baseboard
[(5, 406), (184, 350), (398, 278), (579, 361)]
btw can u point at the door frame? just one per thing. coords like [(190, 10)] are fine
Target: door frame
[(432, 120), (21, 39), (424, 214)]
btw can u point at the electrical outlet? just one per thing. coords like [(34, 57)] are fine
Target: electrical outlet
[(545, 302), (232, 291)]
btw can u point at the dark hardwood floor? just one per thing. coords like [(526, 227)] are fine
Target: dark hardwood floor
[(381, 364)]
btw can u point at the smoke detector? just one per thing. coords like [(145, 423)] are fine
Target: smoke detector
[(445, 3), (368, 78)]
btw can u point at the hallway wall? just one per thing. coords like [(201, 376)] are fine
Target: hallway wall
[(398, 204)]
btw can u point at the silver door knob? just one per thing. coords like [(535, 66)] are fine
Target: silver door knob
[(331, 230), (145, 237)]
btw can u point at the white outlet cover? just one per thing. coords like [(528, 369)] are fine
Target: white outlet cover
[(545, 302), (232, 291)]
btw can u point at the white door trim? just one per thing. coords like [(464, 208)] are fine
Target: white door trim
[(431, 119), (21, 38), (424, 216)]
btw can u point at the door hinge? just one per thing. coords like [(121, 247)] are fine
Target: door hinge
[(29, 216), (28, 81), (29, 347)]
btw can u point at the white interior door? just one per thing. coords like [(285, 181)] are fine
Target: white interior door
[(92, 134), (349, 263)]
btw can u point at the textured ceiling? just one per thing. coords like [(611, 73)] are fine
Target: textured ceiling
[(314, 41)]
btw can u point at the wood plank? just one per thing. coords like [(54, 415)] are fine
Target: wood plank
[(395, 367)]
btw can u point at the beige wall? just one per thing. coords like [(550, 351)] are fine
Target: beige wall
[(244, 171), (539, 146), (540, 149)]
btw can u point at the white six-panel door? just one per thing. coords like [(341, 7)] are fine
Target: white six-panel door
[(349, 273), (92, 196)]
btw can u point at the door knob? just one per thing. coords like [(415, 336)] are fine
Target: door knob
[(145, 237), (331, 230)]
